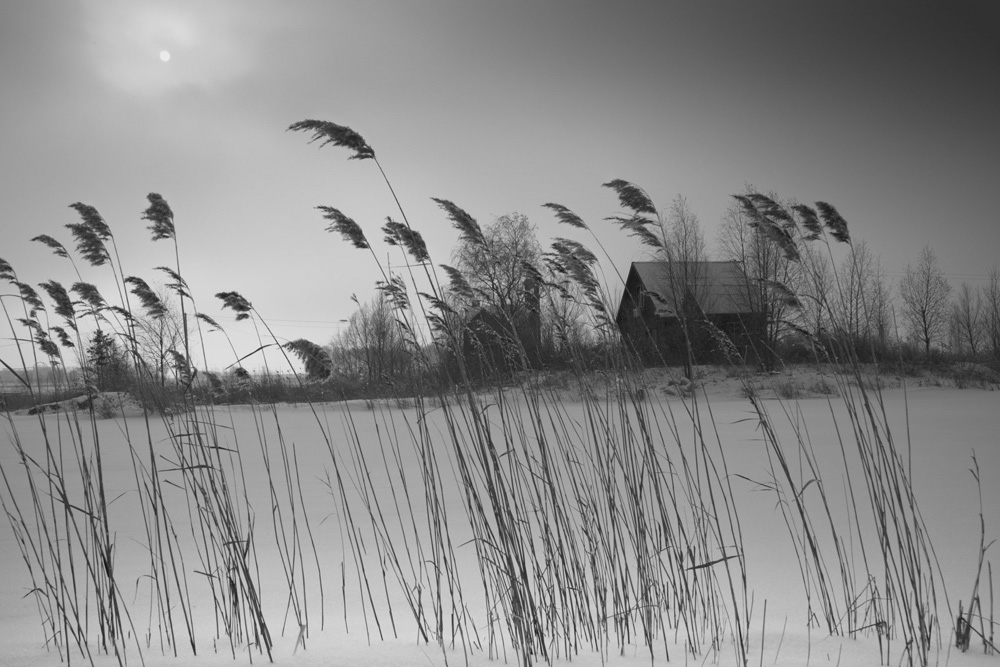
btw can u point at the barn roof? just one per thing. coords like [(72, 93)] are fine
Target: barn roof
[(720, 287)]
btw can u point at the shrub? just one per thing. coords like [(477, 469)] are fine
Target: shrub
[(787, 389), (966, 375)]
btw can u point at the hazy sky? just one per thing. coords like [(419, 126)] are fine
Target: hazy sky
[(889, 111)]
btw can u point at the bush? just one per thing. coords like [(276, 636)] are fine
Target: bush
[(787, 389), (823, 387), (972, 375)]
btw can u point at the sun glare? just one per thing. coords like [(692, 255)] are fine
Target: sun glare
[(164, 56)]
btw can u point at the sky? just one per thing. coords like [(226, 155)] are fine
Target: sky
[(886, 110)]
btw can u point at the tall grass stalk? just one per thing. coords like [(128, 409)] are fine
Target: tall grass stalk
[(903, 587), (597, 523), (607, 539)]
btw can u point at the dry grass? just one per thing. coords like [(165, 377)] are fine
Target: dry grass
[(592, 534)]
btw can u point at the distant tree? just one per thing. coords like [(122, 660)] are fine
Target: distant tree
[(764, 263), (497, 268), (815, 284), (991, 313), (849, 307), (107, 362), (684, 245), (861, 308), (502, 269), (882, 318), (925, 292), (967, 322), (565, 322), (156, 335), (372, 347), (684, 250)]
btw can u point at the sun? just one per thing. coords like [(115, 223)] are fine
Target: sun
[(164, 56)]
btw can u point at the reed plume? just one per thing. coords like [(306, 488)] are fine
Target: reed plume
[(208, 320), (57, 248), (6, 270), (315, 358), (764, 214), (457, 283), (63, 303), (126, 315), (632, 196), (29, 295), (93, 220), (395, 290), (638, 227), (63, 337), (339, 135), (236, 302), (179, 286), (182, 366), (566, 216), (810, 221), (834, 222), (89, 244), (160, 216), (345, 226), (466, 225), (398, 234), (573, 260), (770, 208), (46, 345), (154, 307)]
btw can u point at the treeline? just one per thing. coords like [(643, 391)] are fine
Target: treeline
[(505, 305), (507, 300), (846, 301), (824, 300)]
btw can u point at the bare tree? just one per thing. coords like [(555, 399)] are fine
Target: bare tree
[(881, 311), (502, 270), (372, 348), (685, 253), (684, 248), (968, 323), (925, 292), (496, 269), (991, 313), (861, 308), (565, 320), (763, 264), (816, 284), (156, 335), (850, 312)]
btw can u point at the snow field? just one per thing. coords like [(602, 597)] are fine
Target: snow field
[(945, 427)]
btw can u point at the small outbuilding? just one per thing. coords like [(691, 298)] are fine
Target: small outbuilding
[(499, 342), (668, 305)]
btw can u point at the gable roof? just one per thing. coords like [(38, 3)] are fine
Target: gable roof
[(720, 287)]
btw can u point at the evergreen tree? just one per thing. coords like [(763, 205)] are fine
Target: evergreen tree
[(108, 362)]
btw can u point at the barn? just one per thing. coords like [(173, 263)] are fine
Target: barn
[(667, 304)]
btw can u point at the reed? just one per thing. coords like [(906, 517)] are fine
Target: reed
[(965, 623), (582, 536), (895, 594), (597, 524)]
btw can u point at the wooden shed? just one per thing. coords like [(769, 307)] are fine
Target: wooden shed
[(662, 300)]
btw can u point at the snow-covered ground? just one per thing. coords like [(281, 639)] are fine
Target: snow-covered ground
[(944, 427)]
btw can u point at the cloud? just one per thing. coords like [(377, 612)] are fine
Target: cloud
[(211, 44)]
